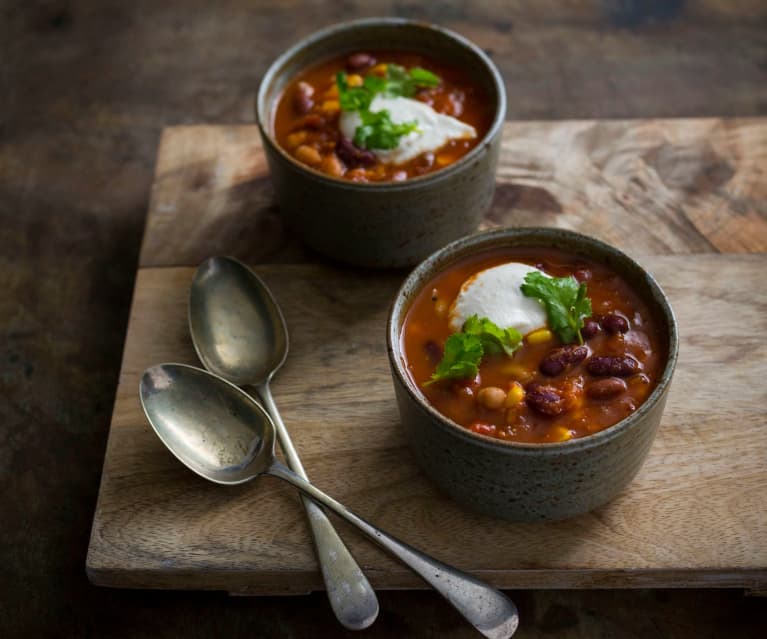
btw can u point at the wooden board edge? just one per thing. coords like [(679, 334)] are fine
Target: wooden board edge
[(165, 134), (283, 583)]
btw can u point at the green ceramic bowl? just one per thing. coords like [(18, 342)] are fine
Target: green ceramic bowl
[(390, 224), (528, 482)]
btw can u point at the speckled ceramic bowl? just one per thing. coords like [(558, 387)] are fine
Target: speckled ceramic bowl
[(388, 224), (517, 481)]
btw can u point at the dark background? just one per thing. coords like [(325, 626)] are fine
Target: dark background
[(85, 89)]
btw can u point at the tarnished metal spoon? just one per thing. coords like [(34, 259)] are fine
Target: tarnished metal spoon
[(222, 434), (239, 334)]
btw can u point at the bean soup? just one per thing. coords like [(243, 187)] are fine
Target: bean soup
[(532, 345), (381, 116)]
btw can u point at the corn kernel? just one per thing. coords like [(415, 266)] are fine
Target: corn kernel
[(540, 336), (519, 373), (354, 80), (560, 434), (379, 69), (515, 395), (330, 106), (331, 93)]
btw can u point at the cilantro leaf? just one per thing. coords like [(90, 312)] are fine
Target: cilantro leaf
[(494, 339), (464, 350), (397, 81), (565, 302), (461, 359), (352, 98), (378, 131), (424, 78), (401, 82)]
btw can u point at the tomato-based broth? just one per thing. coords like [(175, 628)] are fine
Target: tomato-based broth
[(310, 125), (546, 391)]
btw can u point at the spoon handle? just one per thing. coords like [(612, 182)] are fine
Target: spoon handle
[(487, 609), (351, 596)]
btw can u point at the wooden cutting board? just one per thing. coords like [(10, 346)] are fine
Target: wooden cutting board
[(695, 516)]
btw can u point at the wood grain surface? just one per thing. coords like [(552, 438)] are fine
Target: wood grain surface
[(693, 517), (649, 187)]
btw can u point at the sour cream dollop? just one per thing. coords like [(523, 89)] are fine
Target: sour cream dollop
[(495, 293), (435, 129)]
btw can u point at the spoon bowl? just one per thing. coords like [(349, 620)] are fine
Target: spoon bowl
[(238, 330), (222, 434), (227, 438)]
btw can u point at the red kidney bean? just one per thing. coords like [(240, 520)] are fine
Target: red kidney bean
[(590, 328), (366, 158), (433, 352), (311, 121), (353, 156), (466, 387), (425, 96), (558, 359), (582, 275), (607, 387), (617, 366), (455, 102), (359, 61), (302, 98), (547, 400), (425, 160), (614, 323)]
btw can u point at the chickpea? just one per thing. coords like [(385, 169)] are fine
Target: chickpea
[(308, 155), (332, 165), (492, 397), (297, 138)]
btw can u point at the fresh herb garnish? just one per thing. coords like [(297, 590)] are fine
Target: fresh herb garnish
[(464, 350), (494, 339), (401, 82), (565, 302), (377, 130), (461, 359)]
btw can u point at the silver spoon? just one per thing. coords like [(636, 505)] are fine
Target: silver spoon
[(239, 334), (222, 434)]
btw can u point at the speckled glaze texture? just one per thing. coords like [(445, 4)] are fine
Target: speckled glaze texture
[(529, 482), (391, 224)]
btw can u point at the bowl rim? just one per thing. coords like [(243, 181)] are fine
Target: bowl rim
[(436, 176), (495, 238)]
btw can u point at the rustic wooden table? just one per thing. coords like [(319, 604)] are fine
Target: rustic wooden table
[(86, 89)]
